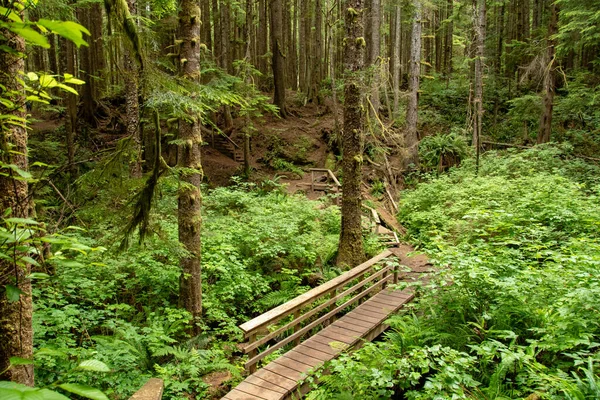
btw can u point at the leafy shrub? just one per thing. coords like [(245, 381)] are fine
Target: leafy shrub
[(440, 152), (522, 251), (122, 308)]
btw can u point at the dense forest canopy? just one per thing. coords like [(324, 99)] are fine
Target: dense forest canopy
[(157, 190)]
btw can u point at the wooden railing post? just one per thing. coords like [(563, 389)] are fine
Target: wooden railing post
[(312, 180), (297, 328), (253, 353), (396, 270), (384, 278), (331, 307)]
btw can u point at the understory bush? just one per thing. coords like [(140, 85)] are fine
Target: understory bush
[(513, 312), (121, 308)]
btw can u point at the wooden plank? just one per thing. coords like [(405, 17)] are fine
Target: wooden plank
[(350, 329), (352, 319), (370, 313), (152, 390), (255, 380), (373, 320), (313, 353), (285, 309), (385, 310), (334, 344), (358, 330), (325, 348), (276, 379), (284, 371), (293, 364), (380, 302), (340, 335), (258, 391), (235, 394), (303, 358)]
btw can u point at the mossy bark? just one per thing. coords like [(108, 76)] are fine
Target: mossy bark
[(190, 198), (350, 251), (16, 332)]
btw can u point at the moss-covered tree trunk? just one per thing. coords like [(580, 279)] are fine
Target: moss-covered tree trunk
[(190, 198), (545, 129), (132, 104), (350, 251), (16, 333), (479, 11)]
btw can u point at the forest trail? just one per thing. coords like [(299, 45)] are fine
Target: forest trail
[(282, 378)]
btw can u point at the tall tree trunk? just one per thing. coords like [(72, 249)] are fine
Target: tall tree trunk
[(52, 59), (132, 108), (437, 31), (351, 251), (16, 332), (411, 138), (263, 38), (318, 50), (206, 24), (479, 11), (278, 62), (374, 49), (216, 18), (500, 35), (545, 130), (293, 47), (396, 57), (302, 40), (226, 48), (71, 103), (449, 40), (189, 218)]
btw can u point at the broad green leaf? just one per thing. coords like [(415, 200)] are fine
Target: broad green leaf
[(22, 221), (22, 173), (10, 394), (32, 76), (52, 395), (30, 260), (67, 88), (38, 275), (30, 35), (48, 81), (37, 99), (67, 29), (74, 81), (13, 293), (93, 365), (10, 14), (20, 361), (84, 391)]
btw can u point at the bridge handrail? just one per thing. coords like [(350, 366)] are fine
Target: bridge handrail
[(295, 306)]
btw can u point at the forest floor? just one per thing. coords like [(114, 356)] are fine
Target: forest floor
[(280, 147)]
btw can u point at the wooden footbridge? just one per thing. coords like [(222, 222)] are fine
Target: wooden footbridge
[(318, 325), (286, 343)]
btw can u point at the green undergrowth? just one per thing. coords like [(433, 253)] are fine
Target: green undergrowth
[(514, 312), (260, 248)]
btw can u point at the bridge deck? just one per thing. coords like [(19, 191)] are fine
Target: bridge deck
[(279, 379)]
